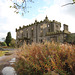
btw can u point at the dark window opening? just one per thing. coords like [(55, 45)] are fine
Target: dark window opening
[(48, 30), (27, 34), (31, 33), (41, 40)]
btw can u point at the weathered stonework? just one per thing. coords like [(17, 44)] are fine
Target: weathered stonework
[(41, 31)]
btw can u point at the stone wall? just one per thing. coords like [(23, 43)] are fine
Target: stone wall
[(37, 32)]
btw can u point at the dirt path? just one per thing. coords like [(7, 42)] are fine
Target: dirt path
[(4, 61)]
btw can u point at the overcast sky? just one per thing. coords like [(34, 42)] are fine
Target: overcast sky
[(9, 21)]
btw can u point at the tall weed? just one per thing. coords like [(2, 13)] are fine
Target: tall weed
[(39, 59)]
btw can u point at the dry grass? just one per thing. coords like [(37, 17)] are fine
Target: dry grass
[(39, 59)]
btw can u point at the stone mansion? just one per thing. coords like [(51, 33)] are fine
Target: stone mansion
[(39, 32)]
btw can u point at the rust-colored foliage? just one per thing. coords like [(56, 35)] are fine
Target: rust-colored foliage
[(38, 59)]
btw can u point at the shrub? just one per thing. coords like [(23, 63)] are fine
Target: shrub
[(40, 59), (3, 44), (12, 43)]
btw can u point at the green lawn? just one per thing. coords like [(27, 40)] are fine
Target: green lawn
[(2, 53)]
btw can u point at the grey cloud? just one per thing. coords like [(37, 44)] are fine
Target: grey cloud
[(68, 10)]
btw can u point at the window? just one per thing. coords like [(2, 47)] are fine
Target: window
[(48, 25), (43, 26), (31, 33), (21, 31), (18, 36), (57, 26), (41, 33), (27, 29), (48, 30), (41, 40), (32, 28), (22, 34), (27, 34)]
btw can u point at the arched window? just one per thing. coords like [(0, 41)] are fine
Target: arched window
[(32, 32), (47, 25)]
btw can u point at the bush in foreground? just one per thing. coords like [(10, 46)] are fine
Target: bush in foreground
[(42, 59)]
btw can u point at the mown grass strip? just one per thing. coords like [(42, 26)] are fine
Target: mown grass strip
[(3, 53)]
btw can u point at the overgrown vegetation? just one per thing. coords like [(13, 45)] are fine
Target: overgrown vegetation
[(3, 44), (12, 43), (70, 38), (42, 59)]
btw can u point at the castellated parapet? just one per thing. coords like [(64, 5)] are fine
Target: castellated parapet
[(39, 32), (65, 27)]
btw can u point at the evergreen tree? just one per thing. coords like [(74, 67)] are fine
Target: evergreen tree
[(8, 38)]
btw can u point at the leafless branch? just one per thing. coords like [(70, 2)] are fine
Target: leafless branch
[(68, 4)]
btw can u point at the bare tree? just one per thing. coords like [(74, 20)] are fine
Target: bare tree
[(69, 3), (20, 5)]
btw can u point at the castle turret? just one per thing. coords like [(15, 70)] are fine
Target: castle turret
[(46, 19), (35, 20), (55, 26), (65, 27)]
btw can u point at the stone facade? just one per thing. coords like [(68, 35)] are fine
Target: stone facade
[(39, 32)]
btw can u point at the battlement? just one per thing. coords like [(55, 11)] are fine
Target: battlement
[(46, 20)]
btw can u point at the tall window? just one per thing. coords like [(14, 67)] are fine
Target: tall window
[(31, 33), (27, 33), (49, 30), (41, 33), (48, 26)]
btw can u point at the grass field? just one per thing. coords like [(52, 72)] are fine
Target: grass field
[(2, 53)]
